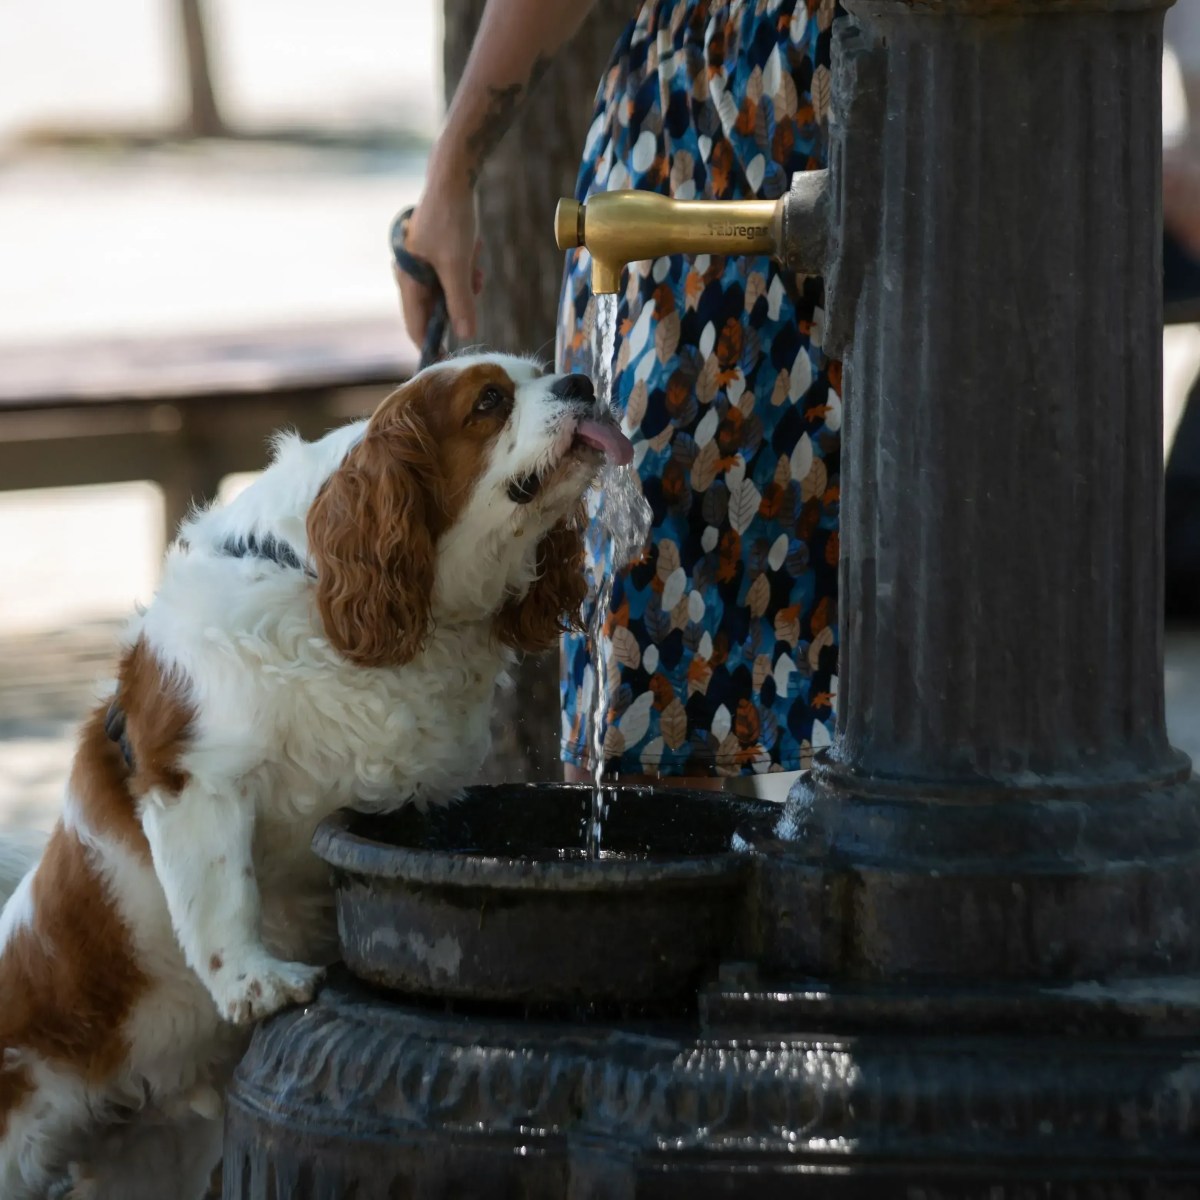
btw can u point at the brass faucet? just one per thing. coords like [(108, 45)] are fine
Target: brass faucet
[(627, 226)]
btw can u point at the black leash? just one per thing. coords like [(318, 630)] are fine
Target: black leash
[(268, 547), (419, 269)]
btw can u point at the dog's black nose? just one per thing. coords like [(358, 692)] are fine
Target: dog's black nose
[(578, 388)]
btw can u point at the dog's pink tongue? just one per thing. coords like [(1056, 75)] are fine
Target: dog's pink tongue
[(608, 439)]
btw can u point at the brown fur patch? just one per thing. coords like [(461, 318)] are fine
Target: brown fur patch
[(100, 787), (553, 603), (158, 724), (374, 526), (69, 978), (158, 721), (463, 436), (215, 963)]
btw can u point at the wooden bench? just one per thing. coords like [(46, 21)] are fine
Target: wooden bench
[(185, 411)]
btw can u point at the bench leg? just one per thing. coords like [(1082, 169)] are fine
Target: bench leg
[(195, 482)]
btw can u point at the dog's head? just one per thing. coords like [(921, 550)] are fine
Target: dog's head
[(461, 502)]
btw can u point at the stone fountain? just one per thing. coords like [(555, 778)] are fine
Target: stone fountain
[(965, 960)]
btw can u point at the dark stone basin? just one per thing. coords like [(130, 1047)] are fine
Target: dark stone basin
[(493, 897)]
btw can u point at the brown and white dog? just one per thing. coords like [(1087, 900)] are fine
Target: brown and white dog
[(332, 637)]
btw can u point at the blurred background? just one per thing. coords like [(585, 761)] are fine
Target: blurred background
[(195, 197), (161, 215)]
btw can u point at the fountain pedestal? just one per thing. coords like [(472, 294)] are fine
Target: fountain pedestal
[(363, 1096), (966, 962), (1001, 802)]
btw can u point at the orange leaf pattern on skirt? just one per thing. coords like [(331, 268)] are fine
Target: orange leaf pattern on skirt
[(725, 632)]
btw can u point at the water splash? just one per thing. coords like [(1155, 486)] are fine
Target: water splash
[(623, 516)]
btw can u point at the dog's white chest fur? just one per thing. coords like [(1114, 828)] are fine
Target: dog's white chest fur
[(306, 733)]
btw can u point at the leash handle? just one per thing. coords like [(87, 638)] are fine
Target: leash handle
[(407, 263)]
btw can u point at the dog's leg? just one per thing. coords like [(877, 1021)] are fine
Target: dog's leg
[(201, 845)]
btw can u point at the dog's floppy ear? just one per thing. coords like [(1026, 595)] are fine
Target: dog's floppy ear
[(371, 534), (554, 600)]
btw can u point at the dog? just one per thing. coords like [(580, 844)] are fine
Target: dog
[(332, 637)]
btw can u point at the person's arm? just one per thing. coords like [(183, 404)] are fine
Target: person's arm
[(514, 44)]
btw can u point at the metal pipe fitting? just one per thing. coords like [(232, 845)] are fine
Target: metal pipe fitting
[(618, 228)]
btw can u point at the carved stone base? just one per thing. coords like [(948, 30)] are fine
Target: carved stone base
[(360, 1096), (873, 880)]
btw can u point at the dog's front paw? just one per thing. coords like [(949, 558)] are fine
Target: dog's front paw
[(258, 987)]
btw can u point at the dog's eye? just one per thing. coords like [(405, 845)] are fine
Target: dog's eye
[(490, 398)]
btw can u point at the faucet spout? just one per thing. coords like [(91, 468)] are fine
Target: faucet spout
[(627, 226)]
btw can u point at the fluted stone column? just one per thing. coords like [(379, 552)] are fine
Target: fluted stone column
[(1001, 801), (1003, 582)]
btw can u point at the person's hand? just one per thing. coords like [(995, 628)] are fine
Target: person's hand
[(1181, 197), (444, 231)]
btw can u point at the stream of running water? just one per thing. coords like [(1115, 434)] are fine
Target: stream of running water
[(623, 514)]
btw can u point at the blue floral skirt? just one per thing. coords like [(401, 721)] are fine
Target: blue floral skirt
[(722, 647)]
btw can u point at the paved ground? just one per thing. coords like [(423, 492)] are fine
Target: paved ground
[(115, 241)]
